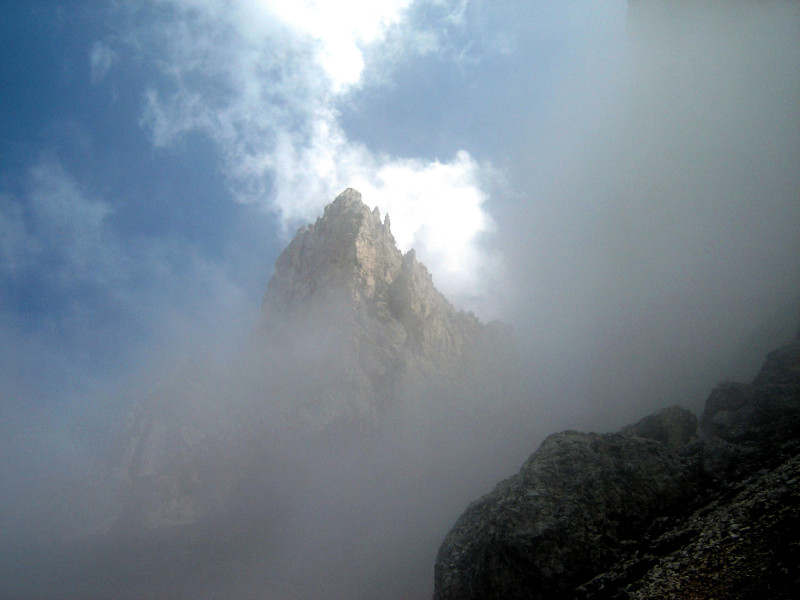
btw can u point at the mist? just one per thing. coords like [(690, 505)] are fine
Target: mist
[(658, 252), (645, 247), (290, 511)]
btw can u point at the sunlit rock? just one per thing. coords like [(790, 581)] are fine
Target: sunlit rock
[(355, 324)]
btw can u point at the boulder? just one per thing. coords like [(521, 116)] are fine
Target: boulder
[(567, 515), (674, 426)]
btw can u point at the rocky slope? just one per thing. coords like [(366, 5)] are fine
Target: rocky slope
[(650, 512)]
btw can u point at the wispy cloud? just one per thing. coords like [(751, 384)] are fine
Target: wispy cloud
[(101, 58), (67, 263), (265, 80), (56, 223), (16, 245)]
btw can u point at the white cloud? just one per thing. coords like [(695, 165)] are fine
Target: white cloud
[(101, 58), (17, 246), (438, 208), (340, 31), (73, 224), (61, 226), (263, 79)]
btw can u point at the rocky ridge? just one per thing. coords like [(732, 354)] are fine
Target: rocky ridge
[(651, 512)]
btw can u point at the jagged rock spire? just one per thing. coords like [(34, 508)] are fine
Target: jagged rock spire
[(358, 313), (348, 260), (348, 251)]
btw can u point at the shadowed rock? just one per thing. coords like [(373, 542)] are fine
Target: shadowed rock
[(674, 426), (577, 501), (620, 516)]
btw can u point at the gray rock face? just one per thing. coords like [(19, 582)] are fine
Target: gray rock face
[(741, 543), (623, 516), (674, 426), (164, 469), (737, 411), (566, 516)]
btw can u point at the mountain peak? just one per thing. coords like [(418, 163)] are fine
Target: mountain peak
[(348, 201), (349, 205), (348, 255), (372, 313)]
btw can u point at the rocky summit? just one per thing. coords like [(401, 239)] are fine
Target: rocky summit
[(654, 511), (363, 321)]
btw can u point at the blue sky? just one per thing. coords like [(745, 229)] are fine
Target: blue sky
[(628, 202), (127, 215)]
